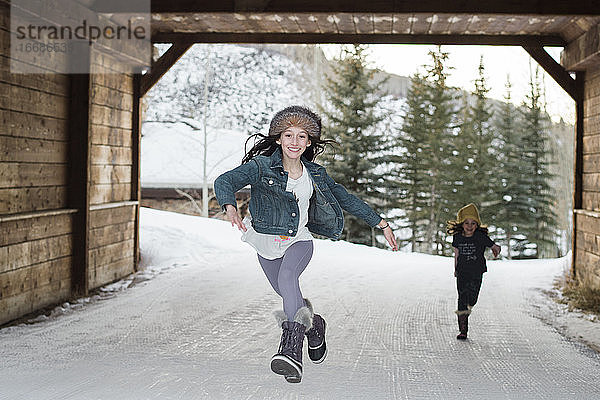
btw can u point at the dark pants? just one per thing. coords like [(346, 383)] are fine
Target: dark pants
[(468, 290)]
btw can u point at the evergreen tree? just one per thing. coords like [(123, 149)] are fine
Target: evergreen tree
[(427, 142), (474, 166), (463, 164), (410, 178), (536, 171), (512, 191), (352, 96), (482, 147), (440, 149), (475, 159)]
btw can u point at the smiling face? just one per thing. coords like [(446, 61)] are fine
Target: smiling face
[(294, 141), (469, 225)]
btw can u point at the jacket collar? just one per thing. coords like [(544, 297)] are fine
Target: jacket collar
[(276, 160)]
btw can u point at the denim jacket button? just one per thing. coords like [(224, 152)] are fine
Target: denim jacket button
[(293, 214), (270, 181), (290, 231)]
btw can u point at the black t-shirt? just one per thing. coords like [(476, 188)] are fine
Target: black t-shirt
[(470, 252)]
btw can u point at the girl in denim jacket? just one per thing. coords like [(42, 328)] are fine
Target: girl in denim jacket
[(290, 197)]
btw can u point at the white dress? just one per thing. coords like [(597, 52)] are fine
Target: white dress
[(274, 246)]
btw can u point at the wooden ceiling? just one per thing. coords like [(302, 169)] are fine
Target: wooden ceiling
[(533, 24), (348, 27), (550, 22)]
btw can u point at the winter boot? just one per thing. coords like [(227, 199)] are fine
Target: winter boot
[(288, 360), (463, 324), (317, 348)]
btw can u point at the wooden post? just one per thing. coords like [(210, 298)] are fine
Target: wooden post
[(136, 134), (79, 170), (578, 189), (578, 167)]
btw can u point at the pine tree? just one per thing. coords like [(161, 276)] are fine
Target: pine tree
[(427, 142), (440, 149), (482, 146), (512, 209), (411, 179), (474, 165), (352, 96), (463, 164), (536, 171)]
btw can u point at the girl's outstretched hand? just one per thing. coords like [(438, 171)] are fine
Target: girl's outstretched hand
[(388, 233), (234, 218), (495, 250)]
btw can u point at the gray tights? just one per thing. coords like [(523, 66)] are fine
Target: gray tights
[(283, 274)]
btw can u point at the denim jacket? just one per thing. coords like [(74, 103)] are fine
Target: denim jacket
[(275, 211)]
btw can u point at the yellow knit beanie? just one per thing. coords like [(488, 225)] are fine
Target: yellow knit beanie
[(468, 211)]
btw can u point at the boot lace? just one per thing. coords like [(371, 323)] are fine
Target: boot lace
[(291, 341)]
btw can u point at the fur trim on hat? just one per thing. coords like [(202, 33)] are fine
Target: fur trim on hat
[(299, 116)]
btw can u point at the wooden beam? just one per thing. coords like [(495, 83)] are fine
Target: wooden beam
[(578, 164), (220, 37), (583, 51), (136, 135), (554, 69), (162, 65), (120, 6), (79, 171), (533, 7)]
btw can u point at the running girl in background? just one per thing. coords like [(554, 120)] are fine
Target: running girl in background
[(290, 198), (470, 240)]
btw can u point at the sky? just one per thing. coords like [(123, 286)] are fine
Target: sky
[(499, 62)]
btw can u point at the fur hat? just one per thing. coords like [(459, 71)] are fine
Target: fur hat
[(468, 211), (296, 116)]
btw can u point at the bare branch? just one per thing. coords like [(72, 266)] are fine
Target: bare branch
[(190, 198)]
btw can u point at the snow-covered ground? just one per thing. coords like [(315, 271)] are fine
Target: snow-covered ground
[(196, 323)]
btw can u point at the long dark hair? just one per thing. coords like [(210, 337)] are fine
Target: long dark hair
[(453, 227), (266, 145)]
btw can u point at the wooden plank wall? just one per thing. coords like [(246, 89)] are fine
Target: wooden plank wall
[(35, 223), (112, 214), (587, 219)]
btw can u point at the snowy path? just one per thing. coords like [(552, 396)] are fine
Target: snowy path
[(203, 330)]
